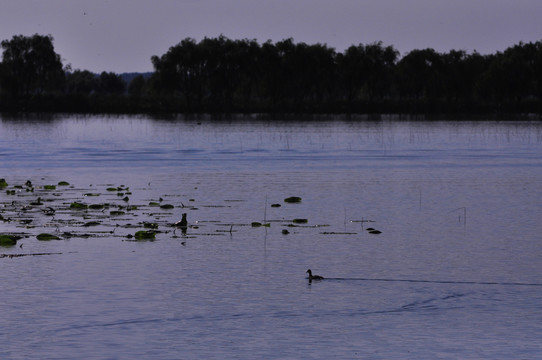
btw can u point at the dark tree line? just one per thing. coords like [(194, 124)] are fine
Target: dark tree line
[(224, 75)]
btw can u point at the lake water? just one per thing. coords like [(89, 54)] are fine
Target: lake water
[(456, 272)]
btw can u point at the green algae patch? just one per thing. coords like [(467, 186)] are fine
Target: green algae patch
[(300, 221), (292, 200), (78, 206), (154, 203), (63, 183), (116, 213), (91, 223), (258, 224), (8, 240), (112, 189), (96, 206), (49, 187), (145, 235), (3, 183), (47, 237)]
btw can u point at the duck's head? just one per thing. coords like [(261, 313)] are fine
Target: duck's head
[(309, 272)]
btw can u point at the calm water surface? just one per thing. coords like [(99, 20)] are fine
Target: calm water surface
[(455, 274)]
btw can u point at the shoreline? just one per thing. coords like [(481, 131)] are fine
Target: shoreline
[(280, 116)]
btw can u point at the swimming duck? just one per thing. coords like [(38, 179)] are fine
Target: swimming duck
[(314, 277)]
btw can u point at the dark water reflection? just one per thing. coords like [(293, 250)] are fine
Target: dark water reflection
[(455, 273)]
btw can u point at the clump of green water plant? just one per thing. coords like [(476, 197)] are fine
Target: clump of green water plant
[(8, 240), (78, 205), (47, 237), (145, 235)]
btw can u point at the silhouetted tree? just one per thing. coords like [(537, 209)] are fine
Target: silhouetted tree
[(111, 84), (137, 86), (367, 71), (306, 73), (224, 75), (181, 72), (30, 65), (512, 76), (81, 82), (418, 74)]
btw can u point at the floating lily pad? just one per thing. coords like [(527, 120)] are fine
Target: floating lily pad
[(96, 206), (78, 206), (63, 183), (47, 237), (145, 235), (154, 203), (299, 221), (375, 232), (292, 199), (285, 232), (8, 240), (91, 223), (3, 183), (166, 206), (49, 187), (111, 189), (275, 205)]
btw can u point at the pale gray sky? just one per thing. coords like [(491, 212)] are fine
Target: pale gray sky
[(122, 35)]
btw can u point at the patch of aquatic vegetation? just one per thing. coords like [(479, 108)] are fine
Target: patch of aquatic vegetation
[(47, 237), (38, 210), (9, 240), (145, 235)]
